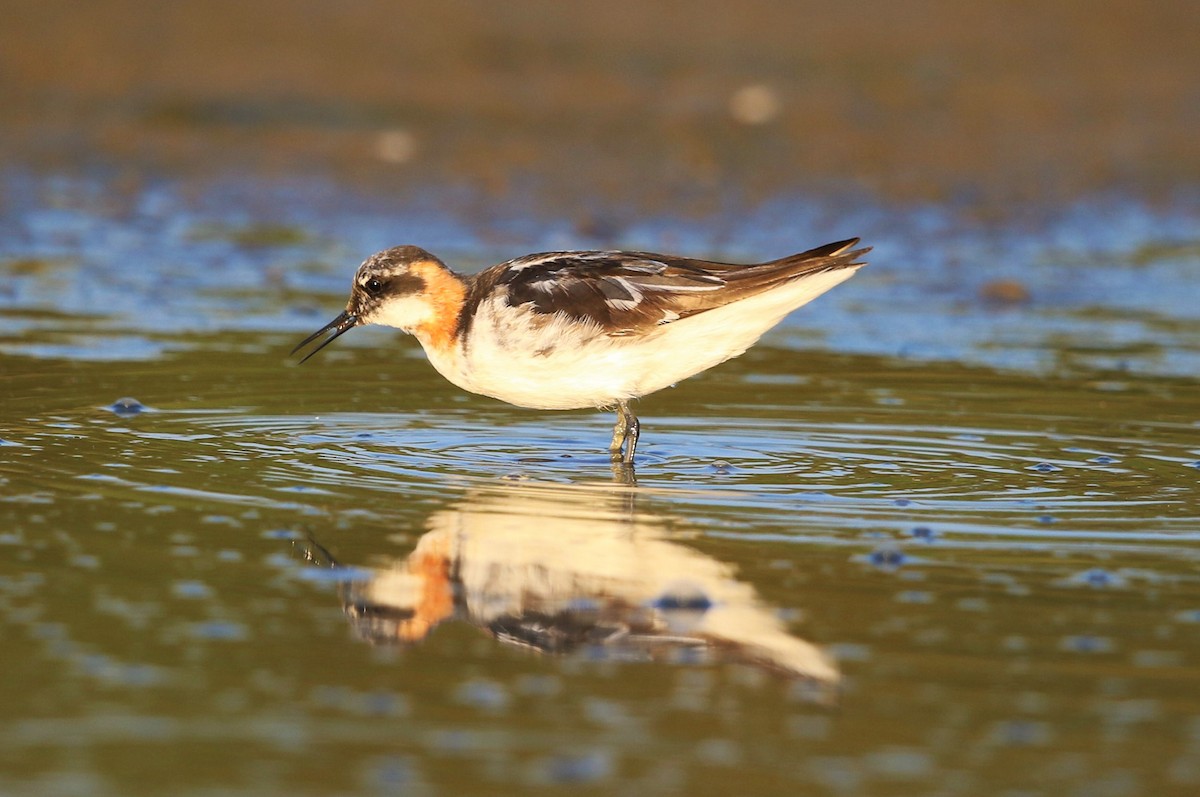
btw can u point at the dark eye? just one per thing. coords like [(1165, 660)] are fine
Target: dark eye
[(373, 286)]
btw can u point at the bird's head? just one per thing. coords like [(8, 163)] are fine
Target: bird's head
[(403, 287)]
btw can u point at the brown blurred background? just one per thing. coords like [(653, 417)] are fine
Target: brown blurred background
[(628, 102)]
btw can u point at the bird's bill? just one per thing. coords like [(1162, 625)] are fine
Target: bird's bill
[(340, 326)]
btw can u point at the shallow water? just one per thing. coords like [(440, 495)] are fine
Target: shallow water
[(928, 537)]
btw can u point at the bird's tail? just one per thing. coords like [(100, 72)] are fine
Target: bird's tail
[(830, 257), (751, 280)]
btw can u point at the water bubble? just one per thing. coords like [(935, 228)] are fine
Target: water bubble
[(126, 407), (887, 558), (1097, 578), (1044, 467), (923, 533)]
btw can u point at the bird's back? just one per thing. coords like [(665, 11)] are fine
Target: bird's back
[(630, 292)]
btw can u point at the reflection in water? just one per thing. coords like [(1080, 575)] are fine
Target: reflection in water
[(573, 570)]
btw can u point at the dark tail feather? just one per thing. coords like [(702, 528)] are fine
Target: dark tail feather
[(745, 281), (824, 258), (830, 257)]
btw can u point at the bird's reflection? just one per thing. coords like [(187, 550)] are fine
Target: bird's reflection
[(563, 570)]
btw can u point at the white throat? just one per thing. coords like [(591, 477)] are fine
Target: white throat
[(403, 312)]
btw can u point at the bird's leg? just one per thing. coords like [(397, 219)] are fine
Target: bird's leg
[(619, 431), (625, 434), (631, 435)]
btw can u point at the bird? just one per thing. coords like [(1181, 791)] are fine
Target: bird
[(578, 329)]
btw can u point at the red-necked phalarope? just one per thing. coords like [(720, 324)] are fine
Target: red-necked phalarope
[(567, 330)]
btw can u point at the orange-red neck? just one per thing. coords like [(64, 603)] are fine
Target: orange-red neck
[(445, 292)]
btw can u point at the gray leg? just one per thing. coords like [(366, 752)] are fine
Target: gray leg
[(631, 435), (625, 434), (619, 432)]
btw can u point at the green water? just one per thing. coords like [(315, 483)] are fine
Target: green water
[(838, 573)]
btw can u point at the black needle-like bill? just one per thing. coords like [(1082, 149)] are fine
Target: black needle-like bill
[(340, 326)]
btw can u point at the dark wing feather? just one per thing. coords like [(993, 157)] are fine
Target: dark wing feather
[(626, 292)]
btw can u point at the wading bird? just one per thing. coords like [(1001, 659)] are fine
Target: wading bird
[(568, 330)]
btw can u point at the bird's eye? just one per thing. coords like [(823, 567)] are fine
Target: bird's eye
[(373, 286)]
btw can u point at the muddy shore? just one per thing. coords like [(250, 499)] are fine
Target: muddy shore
[(683, 106)]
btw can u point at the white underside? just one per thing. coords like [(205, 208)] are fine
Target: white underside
[(568, 365)]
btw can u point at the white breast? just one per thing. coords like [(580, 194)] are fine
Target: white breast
[(538, 361)]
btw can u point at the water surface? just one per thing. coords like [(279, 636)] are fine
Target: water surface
[(931, 536)]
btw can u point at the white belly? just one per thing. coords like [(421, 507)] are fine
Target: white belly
[(564, 364)]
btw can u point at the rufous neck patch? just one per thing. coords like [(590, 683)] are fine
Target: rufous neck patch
[(445, 292)]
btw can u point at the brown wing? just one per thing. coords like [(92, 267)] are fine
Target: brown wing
[(626, 292)]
